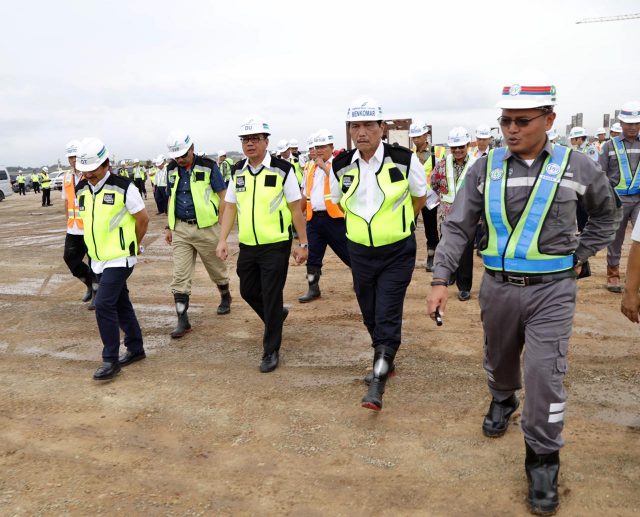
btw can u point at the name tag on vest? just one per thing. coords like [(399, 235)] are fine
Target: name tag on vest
[(347, 181), (240, 186), (109, 199), (551, 173)]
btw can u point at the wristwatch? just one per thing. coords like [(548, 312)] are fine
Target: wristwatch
[(304, 246)]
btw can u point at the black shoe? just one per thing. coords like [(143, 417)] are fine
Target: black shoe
[(106, 371), (368, 378), (429, 264), (131, 357), (269, 362), (88, 295), (94, 292), (542, 476), (464, 296), (496, 420), (285, 313), (373, 398), (225, 300)]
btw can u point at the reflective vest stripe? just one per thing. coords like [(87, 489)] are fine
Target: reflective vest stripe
[(628, 184), (333, 210), (517, 250)]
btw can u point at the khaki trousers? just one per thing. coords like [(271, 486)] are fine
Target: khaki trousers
[(189, 241)]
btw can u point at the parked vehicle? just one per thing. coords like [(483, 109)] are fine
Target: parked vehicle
[(5, 183)]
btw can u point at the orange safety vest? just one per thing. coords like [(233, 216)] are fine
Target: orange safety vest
[(332, 209), (73, 210)]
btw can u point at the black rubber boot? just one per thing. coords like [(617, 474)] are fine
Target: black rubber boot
[(313, 277), (89, 293), (94, 292), (382, 362), (429, 265), (182, 305), (542, 475), (225, 300)]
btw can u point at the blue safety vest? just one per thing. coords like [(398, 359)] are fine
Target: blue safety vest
[(629, 184), (516, 250)]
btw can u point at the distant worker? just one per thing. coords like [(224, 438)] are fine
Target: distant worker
[(381, 189), (616, 130), (225, 164), (553, 136), (46, 187), (139, 177), (265, 195), (428, 156), (531, 258), (195, 204), (447, 180), (21, 180), (483, 139), (601, 135), (122, 171), (325, 219), (579, 142), (115, 222), (35, 182), (160, 193), (620, 160)]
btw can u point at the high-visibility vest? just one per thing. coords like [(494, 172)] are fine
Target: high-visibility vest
[(46, 182), (517, 250), (138, 173), (21, 179), (109, 228), (297, 168), (263, 213), (629, 183), (394, 219), (454, 186), (152, 175), (225, 169), (73, 211), (436, 154), (123, 173), (205, 201), (333, 210), (35, 178)]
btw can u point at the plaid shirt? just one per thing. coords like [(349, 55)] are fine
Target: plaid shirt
[(439, 183)]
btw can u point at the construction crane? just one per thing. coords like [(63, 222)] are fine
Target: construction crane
[(610, 18)]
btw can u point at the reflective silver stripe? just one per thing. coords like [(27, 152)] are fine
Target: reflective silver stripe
[(207, 193), (402, 168), (202, 168), (556, 417), (276, 202), (86, 187), (346, 169), (399, 202), (117, 219), (529, 182), (559, 406)]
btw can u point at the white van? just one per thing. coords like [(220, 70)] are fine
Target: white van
[(5, 183)]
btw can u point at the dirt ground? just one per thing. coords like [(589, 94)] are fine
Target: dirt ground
[(195, 429)]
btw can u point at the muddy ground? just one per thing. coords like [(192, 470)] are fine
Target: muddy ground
[(196, 430)]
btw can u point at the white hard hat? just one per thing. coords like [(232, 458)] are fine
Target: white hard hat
[(293, 143), (552, 134), (577, 132), (72, 148), (483, 131), (310, 141), (254, 126), (45, 169), (616, 128), (178, 143), (222, 152), (91, 154), (418, 128), (458, 136), (283, 145), (630, 112), (364, 109), (159, 160), (322, 137), (601, 131), (123, 162), (526, 97)]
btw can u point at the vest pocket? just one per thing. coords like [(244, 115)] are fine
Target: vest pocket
[(122, 245)]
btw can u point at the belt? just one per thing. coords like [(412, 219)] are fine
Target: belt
[(525, 280), (189, 221), (320, 213)]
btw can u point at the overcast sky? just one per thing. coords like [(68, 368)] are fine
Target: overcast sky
[(130, 71)]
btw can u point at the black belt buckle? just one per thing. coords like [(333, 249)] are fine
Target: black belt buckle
[(520, 281)]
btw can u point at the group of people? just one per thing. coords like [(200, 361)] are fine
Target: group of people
[(40, 182), (518, 202)]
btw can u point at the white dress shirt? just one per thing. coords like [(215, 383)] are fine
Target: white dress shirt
[(317, 187)]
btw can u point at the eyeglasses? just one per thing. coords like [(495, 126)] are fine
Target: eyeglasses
[(519, 121), (183, 157), (251, 138), (455, 147)]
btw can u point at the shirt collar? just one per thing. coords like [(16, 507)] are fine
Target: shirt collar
[(266, 162), (548, 147), (378, 155), (100, 184)]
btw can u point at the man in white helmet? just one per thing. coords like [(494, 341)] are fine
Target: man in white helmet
[(225, 164), (195, 206), (139, 177), (429, 156), (601, 135), (115, 222), (74, 246), (160, 192), (579, 142), (381, 189), (483, 139), (122, 171), (620, 160), (295, 159), (531, 258), (447, 179), (616, 130), (553, 135), (46, 187), (266, 196)]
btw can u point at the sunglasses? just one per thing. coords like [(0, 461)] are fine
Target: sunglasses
[(518, 121), (252, 138)]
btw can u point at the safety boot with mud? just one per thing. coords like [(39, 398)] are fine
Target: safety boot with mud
[(496, 421), (182, 305), (429, 264), (542, 476), (382, 362), (225, 300), (313, 277), (89, 293), (94, 293), (613, 279)]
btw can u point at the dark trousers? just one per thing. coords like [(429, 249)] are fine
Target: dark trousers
[(160, 195), (74, 252), (139, 183), (582, 216), (262, 270), (36, 187), (323, 231), (115, 312), (381, 276), (430, 221), (22, 189), (46, 196), (464, 273)]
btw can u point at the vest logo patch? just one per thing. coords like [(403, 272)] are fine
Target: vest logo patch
[(347, 181), (496, 174), (240, 185), (552, 169), (109, 199)]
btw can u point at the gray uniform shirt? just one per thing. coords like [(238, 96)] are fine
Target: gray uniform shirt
[(609, 161), (582, 180)]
